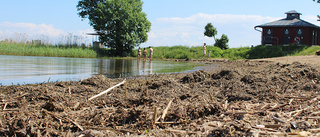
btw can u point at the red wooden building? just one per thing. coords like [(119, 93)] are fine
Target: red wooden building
[(289, 30)]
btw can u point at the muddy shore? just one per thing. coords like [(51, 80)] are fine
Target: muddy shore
[(267, 97)]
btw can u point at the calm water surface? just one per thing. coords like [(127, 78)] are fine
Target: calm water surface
[(30, 69)]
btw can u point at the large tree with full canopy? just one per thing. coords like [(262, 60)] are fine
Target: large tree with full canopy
[(120, 24), (210, 31)]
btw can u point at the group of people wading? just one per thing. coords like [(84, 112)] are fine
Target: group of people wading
[(144, 53)]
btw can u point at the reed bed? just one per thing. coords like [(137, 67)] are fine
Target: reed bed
[(22, 49)]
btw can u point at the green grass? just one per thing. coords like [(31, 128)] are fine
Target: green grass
[(308, 51), (184, 52), (164, 52), (7, 48), (279, 51)]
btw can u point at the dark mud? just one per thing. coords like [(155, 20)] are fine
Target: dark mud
[(239, 98)]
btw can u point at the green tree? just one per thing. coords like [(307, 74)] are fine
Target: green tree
[(210, 31), (120, 24), (222, 43)]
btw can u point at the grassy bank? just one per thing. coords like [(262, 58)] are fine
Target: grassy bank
[(21, 49), (164, 52), (184, 52)]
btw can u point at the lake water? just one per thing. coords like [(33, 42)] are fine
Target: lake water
[(31, 69)]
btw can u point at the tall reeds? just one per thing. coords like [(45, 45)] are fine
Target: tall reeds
[(7, 48), (42, 45)]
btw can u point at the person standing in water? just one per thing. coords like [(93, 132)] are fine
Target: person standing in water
[(151, 53), (144, 53), (139, 53)]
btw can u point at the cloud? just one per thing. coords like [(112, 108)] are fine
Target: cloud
[(189, 31), (30, 28)]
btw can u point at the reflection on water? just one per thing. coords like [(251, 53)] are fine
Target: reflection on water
[(144, 70), (150, 67), (29, 69)]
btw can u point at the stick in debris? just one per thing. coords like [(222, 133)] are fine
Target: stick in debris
[(69, 90), (14, 109), (278, 120), (165, 111), (211, 98), (155, 115), (166, 123), (106, 91), (125, 86), (5, 105)]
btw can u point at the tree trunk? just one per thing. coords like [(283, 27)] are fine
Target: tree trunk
[(119, 45)]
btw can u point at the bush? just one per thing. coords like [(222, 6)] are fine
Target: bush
[(216, 52)]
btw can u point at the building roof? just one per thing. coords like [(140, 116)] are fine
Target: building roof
[(289, 22), (292, 12)]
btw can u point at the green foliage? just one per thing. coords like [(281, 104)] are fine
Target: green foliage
[(307, 50), (216, 52), (263, 51), (175, 52), (210, 31), (121, 24), (236, 53), (45, 50), (184, 52), (222, 43)]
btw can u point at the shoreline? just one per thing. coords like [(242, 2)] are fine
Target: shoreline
[(208, 64)]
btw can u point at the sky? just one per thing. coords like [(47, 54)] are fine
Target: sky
[(174, 22)]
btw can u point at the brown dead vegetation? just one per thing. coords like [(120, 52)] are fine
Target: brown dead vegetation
[(238, 98)]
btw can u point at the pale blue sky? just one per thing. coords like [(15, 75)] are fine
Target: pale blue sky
[(174, 22)]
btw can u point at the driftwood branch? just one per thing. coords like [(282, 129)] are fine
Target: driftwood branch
[(166, 123), (9, 110), (165, 111), (106, 91)]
